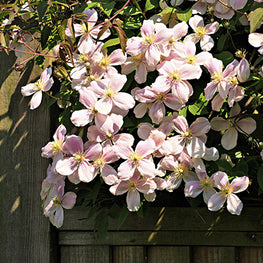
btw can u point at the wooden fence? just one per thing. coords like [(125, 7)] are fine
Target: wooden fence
[(164, 235)]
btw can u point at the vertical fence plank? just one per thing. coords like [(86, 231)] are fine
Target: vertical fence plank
[(251, 255), (85, 254), (214, 254), (24, 232), (129, 254), (168, 254)]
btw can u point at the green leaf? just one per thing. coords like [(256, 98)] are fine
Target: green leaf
[(225, 56), (151, 4), (260, 177), (184, 15), (123, 215), (183, 112), (255, 18), (224, 165), (221, 42), (101, 224), (41, 9), (110, 43), (62, 28), (45, 33), (130, 11), (199, 107)]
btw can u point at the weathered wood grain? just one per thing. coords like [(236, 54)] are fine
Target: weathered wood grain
[(175, 218), (250, 255), (220, 238), (24, 232), (129, 254), (214, 255), (168, 254), (85, 254)]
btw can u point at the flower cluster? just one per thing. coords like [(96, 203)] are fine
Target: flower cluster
[(154, 81)]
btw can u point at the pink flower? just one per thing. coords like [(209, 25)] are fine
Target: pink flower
[(205, 185), (140, 160), (133, 186), (232, 126), (227, 193), (202, 32), (54, 149), (192, 138), (56, 201), (77, 164), (42, 85), (108, 91)]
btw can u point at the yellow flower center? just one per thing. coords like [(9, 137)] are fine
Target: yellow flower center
[(161, 97), (217, 77), (200, 30), (233, 80), (149, 38), (105, 61), (99, 162), (191, 59), (135, 157), (56, 146), (175, 75), (226, 190), (188, 135), (131, 185), (79, 157), (40, 84), (137, 59), (56, 200), (180, 170), (109, 92), (207, 182)]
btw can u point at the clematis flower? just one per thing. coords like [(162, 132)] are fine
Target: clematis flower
[(227, 193), (232, 126), (205, 184), (108, 91), (138, 159), (42, 85), (56, 201), (134, 186), (55, 149), (192, 138), (77, 164), (202, 32)]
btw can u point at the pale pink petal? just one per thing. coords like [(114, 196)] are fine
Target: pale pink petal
[(81, 118), (93, 151), (212, 28), (243, 70), (216, 202), (119, 188), (124, 151), (123, 138), (206, 43), (234, 204), (109, 174), (214, 65), (66, 166), (124, 101), (36, 100), (150, 197), (147, 27), (69, 200), (238, 4), (133, 200), (246, 125), (200, 126), (152, 55), (240, 184), (208, 193), (229, 139), (146, 168), (141, 73), (193, 189), (180, 124), (29, 89), (144, 130), (196, 148), (104, 105), (210, 90), (73, 144), (217, 102), (140, 110), (145, 148), (219, 124), (126, 170), (86, 172), (196, 21), (58, 219), (255, 39), (172, 102), (220, 179), (157, 112), (117, 57), (146, 186)]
